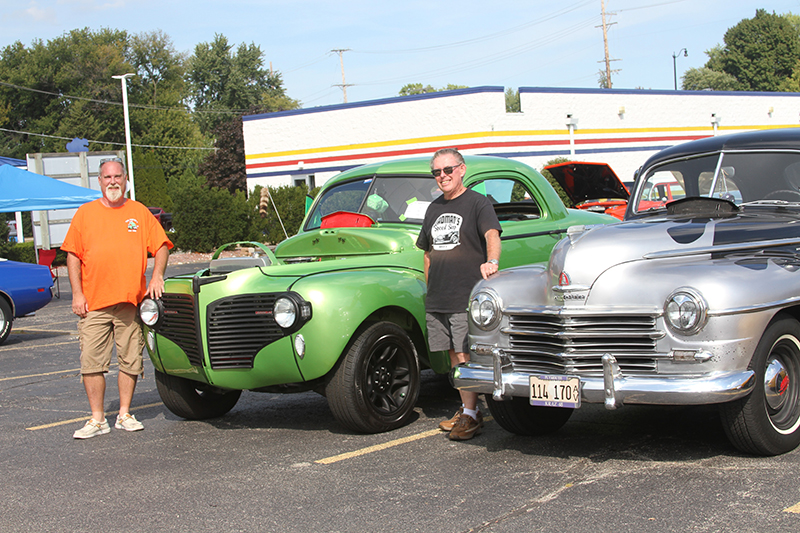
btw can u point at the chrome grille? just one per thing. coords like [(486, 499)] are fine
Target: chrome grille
[(238, 327), (180, 325), (574, 344)]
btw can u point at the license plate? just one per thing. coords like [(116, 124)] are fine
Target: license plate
[(555, 391)]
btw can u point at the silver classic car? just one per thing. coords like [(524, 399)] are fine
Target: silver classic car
[(693, 299)]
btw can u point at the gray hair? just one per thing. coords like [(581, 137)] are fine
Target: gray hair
[(113, 160), (448, 151)]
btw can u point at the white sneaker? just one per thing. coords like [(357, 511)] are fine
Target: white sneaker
[(92, 429), (128, 422)]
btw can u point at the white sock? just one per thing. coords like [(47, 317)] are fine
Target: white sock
[(471, 412)]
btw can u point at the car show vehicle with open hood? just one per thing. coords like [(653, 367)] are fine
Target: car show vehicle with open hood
[(340, 307), (690, 301), (591, 186)]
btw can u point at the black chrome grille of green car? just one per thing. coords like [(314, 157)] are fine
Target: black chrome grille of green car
[(180, 326), (576, 344), (238, 327)]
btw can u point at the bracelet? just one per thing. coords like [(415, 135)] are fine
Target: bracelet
[(495, 262)]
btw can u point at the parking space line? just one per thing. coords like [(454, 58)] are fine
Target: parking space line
[(42, 374), (28, 347), (385, 445), (81, 419), (793, 509), (378, 447)]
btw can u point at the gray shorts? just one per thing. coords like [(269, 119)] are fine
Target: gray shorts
[(448, 331)]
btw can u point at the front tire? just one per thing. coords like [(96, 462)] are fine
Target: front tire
[(376, 384), (5, 319), (767, 421), (518, 416), (194, 400)]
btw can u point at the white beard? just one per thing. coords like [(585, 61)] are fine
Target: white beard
[(114, 194)]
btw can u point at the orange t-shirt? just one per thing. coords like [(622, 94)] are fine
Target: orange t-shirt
[(112, 244)]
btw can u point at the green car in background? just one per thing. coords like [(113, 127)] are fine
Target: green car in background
[(340, 307)]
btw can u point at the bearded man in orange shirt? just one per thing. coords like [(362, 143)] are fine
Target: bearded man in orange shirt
[(107, 246)]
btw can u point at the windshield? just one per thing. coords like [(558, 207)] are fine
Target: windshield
[(741, 177), (399, 199)]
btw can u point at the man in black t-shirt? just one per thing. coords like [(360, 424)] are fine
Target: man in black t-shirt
[(461, 239)]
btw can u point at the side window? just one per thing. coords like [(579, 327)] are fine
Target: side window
[(511, 199)]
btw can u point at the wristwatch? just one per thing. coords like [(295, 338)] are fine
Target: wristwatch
[(493, 261)]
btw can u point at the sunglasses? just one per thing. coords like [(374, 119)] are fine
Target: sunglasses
[(447, 170)]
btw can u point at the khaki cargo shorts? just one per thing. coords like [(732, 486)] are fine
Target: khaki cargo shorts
[(99, 331)]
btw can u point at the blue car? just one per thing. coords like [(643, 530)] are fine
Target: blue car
[(24, 288)]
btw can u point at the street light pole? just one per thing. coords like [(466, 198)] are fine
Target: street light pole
[(124, 78), (674, 66)]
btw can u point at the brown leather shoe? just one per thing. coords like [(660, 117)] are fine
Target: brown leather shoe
[(447, 425), (466, 427)]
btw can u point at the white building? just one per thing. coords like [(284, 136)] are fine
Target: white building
[(616, 126)]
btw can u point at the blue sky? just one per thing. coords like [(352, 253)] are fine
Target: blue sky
[(514, 43)]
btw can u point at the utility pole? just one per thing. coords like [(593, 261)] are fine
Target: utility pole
[(605, 43), (343, 85)]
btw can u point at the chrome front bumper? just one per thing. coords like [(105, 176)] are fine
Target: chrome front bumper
[(613, 389)]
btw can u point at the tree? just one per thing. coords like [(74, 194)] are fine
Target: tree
[(150, 182), (225, 167), (701, 79), (760, 53), (417, 88), (512, 101), (77, 64), (225, 84)]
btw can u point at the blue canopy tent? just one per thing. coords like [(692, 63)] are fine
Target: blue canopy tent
[(21, 190)]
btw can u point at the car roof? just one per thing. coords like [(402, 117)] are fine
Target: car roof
[(773, 139), (421, 165)]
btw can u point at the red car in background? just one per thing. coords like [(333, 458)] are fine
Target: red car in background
[(164, 218), (592, 186)]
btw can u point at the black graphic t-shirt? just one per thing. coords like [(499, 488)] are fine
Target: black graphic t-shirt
[(453, 232)]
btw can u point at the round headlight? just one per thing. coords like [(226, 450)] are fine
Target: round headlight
[(685, 311), (484, 309), (149, 312), (284, 312)]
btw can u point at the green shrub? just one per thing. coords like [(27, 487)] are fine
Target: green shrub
[(207, 217), (22, 252), (291, 204)]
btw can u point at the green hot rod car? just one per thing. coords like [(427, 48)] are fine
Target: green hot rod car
[(340, 307)]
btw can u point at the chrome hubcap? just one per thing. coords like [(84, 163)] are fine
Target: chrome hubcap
[(776, 383)]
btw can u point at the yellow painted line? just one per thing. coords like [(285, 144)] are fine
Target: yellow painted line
[(385, 445), (378, 447), (42, 374), (501, 133), (28, 347), (31, 331), (793, 509), (81, 419)]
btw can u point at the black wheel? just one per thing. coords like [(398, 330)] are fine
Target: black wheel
[(518, 416), (192, 399), (767, 421), (5, 319), (376, 384)]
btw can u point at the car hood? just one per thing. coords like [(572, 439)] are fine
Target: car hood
[(582, 258), (588, 181), (347, 242)]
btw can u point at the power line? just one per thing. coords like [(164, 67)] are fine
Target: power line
[(107, 142), (109, 102)]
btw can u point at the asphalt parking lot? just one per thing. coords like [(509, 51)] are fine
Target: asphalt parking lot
[(281, 463)]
